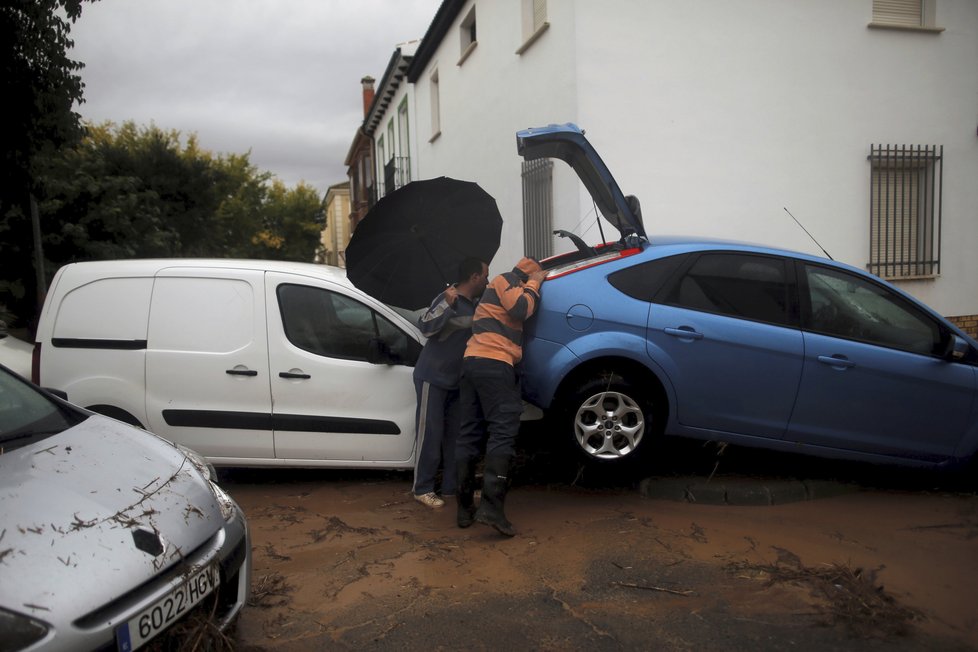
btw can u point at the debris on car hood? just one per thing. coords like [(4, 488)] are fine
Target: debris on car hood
[(65, 510)]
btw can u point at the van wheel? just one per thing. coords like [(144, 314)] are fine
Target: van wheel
[(612, 420), (116, 413)]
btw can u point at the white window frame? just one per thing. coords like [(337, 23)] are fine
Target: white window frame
[(404, 138), (435, 105), (535, 23), (468, 36)]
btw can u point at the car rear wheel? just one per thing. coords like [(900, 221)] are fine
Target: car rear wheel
[(612, 420)]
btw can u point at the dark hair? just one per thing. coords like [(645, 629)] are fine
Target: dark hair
[(468, 267)]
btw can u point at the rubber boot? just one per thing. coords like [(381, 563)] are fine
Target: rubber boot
[(495, 484), (465, 491)]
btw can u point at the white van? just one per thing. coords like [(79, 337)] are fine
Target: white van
[(250, 363)]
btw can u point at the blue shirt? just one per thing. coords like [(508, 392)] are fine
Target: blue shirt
[(448, 330)]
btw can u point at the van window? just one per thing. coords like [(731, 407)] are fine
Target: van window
[(332, 324), (214, 315)]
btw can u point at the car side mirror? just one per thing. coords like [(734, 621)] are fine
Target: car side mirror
[(378, 352), (957, 349)]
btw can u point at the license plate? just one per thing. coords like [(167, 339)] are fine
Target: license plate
[(134, 633)]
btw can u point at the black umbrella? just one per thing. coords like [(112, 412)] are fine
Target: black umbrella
[(408, 247)]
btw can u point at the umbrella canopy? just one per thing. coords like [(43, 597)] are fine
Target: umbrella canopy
[(408, 247)]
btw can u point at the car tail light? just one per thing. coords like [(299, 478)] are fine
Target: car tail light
[(600, 259)]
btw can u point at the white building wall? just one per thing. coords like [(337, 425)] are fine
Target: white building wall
[(487, 99), (718, 116), (737, 111)]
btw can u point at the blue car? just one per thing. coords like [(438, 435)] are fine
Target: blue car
[(739, 343)]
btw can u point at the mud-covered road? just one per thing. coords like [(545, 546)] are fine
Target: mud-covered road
[(347, 560)]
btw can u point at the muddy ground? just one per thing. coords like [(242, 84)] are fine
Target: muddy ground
[(347, 560)]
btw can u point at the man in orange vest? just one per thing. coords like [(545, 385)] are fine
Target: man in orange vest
[(490, 397)]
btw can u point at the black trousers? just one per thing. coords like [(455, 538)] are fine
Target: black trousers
[(491, 403)]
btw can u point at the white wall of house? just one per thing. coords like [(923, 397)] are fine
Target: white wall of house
[(718, 116)]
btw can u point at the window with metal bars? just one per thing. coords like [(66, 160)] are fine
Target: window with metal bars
[(397, 173), (538, 208), (905, 211)]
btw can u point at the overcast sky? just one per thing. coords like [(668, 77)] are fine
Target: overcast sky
[(278, 78)]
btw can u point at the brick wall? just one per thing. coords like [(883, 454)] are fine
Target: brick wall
[(967, 323)]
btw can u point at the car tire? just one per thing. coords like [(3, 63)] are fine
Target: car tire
[(612, 420)]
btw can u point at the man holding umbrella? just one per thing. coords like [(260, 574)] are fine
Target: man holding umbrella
[(490, 393), (448, 325)]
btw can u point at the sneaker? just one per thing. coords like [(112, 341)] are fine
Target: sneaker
[(430, 499)]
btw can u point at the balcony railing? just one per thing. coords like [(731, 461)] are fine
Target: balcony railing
[(397, 173)]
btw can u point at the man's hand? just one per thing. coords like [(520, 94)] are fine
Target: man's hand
[(538, 276), (451, 295)]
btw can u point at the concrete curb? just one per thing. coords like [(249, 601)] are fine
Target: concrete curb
[(740, 490)]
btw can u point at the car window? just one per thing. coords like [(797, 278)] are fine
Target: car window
[(334, 325), (643, 281), (846, 305), (27, 415), (746, 286)]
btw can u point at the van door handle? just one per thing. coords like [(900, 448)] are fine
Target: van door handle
[(684, 332), (241, 372), (289, 374)]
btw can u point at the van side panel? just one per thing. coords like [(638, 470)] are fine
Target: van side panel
[(105, 310), (182, 345), (97, 347), (207, 381)]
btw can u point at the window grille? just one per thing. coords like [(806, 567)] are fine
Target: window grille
[(538, 208), (397, 173), (905, 210)]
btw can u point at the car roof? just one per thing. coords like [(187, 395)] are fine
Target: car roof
[(98, 269), (695, 242), (665, 245), (146, 266)]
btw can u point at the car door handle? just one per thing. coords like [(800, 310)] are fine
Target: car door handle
[(839, 362), (241, 372), (289, 374), (684, 332)]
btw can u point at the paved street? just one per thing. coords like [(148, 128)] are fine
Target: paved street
[(348, 560)]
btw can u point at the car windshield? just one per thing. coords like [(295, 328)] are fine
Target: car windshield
[(27, 415)]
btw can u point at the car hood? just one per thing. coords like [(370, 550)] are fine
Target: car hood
[(70, 509), (16, 354), (567, 142)]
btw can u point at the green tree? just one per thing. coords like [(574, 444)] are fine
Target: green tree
[(292, 222), (132, 191), (40, 88)]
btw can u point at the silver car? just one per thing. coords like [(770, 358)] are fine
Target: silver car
[(15, 354), (109, 536)]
